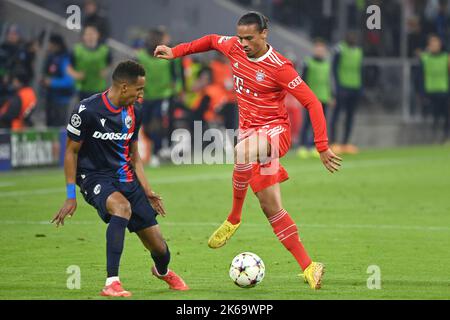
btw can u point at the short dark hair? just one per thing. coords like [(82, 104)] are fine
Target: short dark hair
[(92, 26), (432, 36), (351, 38), (254, 17), (128, 71), (58, 40)]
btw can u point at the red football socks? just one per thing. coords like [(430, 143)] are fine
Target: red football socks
[(241, 176), (286, 231)]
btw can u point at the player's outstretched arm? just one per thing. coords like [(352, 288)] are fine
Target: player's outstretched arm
[(70, 169), (155, 199), (222, 44)]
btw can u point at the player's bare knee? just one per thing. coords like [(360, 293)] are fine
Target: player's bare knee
[(157, 246), (269, 208), (265, 206), (160, 248), (123, 210)]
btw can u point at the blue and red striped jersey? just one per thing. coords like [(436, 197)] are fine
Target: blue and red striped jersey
[(106, 132)]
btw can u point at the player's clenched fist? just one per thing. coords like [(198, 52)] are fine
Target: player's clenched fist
[(163, 52)]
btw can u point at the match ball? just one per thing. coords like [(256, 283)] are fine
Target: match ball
[(247, 270)]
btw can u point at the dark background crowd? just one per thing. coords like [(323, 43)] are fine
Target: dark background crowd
[(201, 87), (321, 19)]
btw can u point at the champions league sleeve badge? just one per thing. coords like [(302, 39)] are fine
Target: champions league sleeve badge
[(75, 121)]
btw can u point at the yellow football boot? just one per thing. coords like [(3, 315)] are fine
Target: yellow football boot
[(220, 237), (313, 275)]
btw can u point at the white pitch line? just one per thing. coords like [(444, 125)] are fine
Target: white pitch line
[(7, 184), (252, 225), (326, 226), (31, 192), (225, 176)]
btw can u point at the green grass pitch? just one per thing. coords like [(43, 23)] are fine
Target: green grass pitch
[(389, 208)]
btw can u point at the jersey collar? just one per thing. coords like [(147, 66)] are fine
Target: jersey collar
[(108, 103), (262, 57)]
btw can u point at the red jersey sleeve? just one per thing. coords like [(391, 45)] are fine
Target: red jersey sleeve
[(289, 80), (206, 43)]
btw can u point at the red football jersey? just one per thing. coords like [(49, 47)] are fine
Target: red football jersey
[(261, 85)]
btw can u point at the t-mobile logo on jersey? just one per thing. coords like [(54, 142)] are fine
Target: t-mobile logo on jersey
[(240, 88), (238, 84)]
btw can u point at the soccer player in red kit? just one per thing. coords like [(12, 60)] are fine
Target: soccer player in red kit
[(262, 77)]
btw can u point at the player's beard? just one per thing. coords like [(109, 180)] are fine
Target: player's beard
[(252, 52)]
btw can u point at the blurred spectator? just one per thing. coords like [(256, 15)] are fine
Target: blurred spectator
[(435, 70), (136, 37), (317, 74), (93, 17), (347, 72), (15, 53), (159, 90), (209, 96), (16, 112), (192, 68), (57, 81), (432, 8), (176, 106), (222, 77), (416, 37), (320, 19), (442, 21), (89, 63)]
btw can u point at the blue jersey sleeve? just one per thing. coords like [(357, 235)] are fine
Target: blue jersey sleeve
[(138, 115), (78, 123)]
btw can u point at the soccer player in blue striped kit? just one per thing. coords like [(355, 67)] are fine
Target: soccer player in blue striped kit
[(102, 158)]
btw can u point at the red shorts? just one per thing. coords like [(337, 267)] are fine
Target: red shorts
[(271, 171)]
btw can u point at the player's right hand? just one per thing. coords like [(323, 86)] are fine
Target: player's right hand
[(68, 209), (163, 52)]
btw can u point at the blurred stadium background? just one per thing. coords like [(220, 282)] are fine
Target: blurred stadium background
[(380, 190), (392, 110)]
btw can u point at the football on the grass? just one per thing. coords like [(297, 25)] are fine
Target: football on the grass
[(247, 270)]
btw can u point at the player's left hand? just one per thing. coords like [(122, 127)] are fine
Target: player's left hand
[(68, 209), (331, 161), (156, 202)]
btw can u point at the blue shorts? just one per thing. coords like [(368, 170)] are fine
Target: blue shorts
[(96, 189)]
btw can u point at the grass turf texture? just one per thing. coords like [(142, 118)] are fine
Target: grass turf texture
[(388, 208)]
